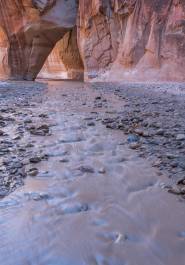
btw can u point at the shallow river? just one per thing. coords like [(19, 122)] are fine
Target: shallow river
[(94, 201)]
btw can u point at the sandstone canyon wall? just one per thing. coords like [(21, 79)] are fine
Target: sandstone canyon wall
[(132, 40)]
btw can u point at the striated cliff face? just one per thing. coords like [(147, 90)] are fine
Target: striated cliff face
[(106, 39), (4, 71), (133, 39)]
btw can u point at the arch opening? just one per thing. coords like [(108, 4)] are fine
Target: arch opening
[(41, 43), (64, 61)]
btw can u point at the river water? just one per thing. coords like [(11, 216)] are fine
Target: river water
[(94, 201)]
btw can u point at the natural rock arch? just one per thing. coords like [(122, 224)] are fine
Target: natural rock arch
[(33, 28), (64, 61)]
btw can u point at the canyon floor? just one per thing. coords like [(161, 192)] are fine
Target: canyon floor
[(92, 173)]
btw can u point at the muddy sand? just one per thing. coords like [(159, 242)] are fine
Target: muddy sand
[(103, 173)]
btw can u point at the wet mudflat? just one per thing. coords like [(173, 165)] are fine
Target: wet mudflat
[(154, 120), (89, 196)]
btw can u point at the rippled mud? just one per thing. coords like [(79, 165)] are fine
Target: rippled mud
[(88, 198)]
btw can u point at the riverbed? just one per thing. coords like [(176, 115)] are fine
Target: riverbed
[(76, 189)]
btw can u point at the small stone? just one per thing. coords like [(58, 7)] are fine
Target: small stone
[(41, 130), (27, 121), (139, 131), (157, 163), (29, 145), (37, 196), (111, 126), (35, 159), (83, 207), (132, 138), (1, 133), (90, 124), (86, 169), (171, 156), (160, 132), (174, 164), (17, 138), (64, 160), (3, 193), (174, 191), (135, 145), (43, 115), (17, 164), (146, 134), (33, 172), (180, 137), (102, 170), (165, 186), (182, 165), (181, 182)]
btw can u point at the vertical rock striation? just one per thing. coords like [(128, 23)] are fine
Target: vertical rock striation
[(133, 39), (4, 71)]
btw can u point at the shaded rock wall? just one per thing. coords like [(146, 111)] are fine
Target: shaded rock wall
[(11, 21), (33, 28), (4, 70), (107, 39)]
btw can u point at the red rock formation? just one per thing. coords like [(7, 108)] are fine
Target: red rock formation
[(11, 21), (64, 61), (33, 28), (133, 39), (3, 55), (53, 67), (117, 39)]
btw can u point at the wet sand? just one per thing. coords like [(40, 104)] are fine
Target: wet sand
[(88, 195)]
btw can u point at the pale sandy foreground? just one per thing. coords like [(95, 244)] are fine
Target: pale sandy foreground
[(94, 201)]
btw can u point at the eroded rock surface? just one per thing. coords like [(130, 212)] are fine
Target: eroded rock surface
[(33, 28), (136, 39), (117, 39)]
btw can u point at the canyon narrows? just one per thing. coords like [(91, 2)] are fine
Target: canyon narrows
[(92, 132), (132, 40)]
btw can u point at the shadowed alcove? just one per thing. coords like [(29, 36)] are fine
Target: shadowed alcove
[(4, 73)]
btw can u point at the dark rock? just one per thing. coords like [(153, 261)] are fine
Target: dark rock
[(133, 138), (35, 159), (90, 124), (33, 172), (180, 137), (135, 145), (86, 169)]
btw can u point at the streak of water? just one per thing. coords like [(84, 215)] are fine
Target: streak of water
[(94, 201)]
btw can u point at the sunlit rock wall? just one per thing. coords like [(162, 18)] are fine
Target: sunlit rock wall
[(53, 67), (133, 39)]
